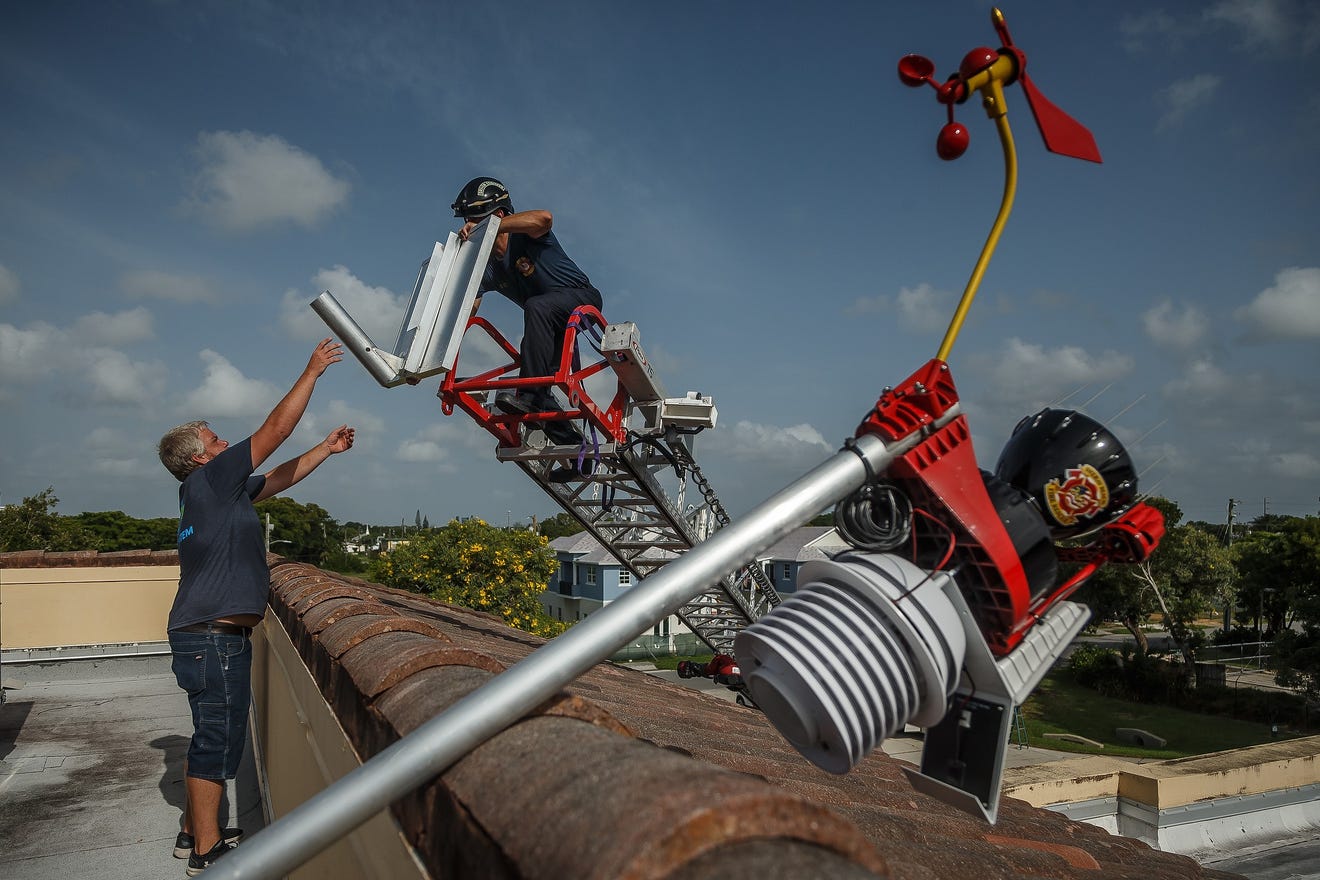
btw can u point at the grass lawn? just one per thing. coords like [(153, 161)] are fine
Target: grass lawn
[(1060, 705)]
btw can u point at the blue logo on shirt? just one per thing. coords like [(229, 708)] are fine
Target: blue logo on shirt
[(185, 533)]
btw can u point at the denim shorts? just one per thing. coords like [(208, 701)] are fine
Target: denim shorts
[(216, 671)]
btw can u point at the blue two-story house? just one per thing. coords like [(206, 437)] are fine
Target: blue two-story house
[(589, 576)]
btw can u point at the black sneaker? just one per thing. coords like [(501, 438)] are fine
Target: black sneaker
[(199, 862), (183, 844)]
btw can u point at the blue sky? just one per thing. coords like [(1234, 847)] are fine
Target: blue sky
[(748, 182)]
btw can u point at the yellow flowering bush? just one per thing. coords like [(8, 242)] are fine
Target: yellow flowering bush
[(479, 566)]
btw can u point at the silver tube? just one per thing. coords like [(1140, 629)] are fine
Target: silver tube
[(442, 741), (356, 339)]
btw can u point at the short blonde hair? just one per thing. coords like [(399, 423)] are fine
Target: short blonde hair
[(177, 448)]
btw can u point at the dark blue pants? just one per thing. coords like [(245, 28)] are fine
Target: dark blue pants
[(545, 320)]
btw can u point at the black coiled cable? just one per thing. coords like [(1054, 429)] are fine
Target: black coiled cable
[(876, 517)]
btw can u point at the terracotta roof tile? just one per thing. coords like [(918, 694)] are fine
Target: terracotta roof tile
[(626, 775), (349, 632), (86, 558)]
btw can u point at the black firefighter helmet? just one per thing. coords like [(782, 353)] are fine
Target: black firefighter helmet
[(481, 197), (1074, 469)]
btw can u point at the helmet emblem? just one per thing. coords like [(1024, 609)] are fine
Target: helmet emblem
[(1081, 494)]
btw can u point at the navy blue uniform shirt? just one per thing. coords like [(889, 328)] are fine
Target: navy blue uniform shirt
[(222, 551)]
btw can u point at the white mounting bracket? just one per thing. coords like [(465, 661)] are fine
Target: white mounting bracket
[(432, 330)]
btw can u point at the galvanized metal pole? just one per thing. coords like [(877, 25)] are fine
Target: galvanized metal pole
[(442, 741)]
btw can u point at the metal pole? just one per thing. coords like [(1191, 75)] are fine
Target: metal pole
[(442, 741)]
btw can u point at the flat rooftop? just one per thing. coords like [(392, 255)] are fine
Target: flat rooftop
[(91, 770)]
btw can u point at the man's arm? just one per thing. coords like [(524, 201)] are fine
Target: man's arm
[(287, 413), (293, 470), (531, 223)]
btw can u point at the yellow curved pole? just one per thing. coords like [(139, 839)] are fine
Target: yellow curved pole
[(990, 83)]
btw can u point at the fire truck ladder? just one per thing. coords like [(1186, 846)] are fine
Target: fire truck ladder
[(636, 444), (614, 483)]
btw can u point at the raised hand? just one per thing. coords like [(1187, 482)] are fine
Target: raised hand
[(327, 352), (340, 439)]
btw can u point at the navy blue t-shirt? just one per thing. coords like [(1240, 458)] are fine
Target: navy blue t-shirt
[(531, 266), (222, 552)]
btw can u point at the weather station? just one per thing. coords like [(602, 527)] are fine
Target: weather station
[(946, 613)]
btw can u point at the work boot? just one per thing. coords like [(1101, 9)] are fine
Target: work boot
[(567, 473), (518, 403), (561, 433)]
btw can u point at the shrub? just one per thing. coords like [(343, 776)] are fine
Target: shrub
[(478, 566)]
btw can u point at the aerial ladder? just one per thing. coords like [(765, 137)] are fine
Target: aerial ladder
[(628, 482)]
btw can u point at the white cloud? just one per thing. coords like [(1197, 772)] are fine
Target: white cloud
[(9, 286), (1029, 374), (376, 309), (1256, 25), (1180, 329), (1154, 27), (1288, 310), (125, 467), (756, 441), (421, 450), (341, 413), (1184, 96), (441, 441), (1293, 465), (225, 391), (30, 353), (103, 373), (151, 284), (921, 308), (1202, 380), (112, 377), (318, 422), (250, 181), (1259, 22), (121, 328)]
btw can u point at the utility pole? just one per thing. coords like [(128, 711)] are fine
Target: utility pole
[(1228, 604)]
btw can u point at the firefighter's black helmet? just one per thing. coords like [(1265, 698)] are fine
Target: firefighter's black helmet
[(1074, 469), (481, 197)]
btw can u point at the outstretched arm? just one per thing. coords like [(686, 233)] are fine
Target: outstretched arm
[(295, 469), (284, 418)]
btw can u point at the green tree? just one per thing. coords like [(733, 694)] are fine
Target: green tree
[(1189, 573), (311, 534), (478, 566), (560, 525), (33, 524), (1280, 569), (1281, 575), (116, 530)]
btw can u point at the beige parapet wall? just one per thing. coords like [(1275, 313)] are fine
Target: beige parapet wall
[(304, 749), (60, 599), (1162, 785)]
